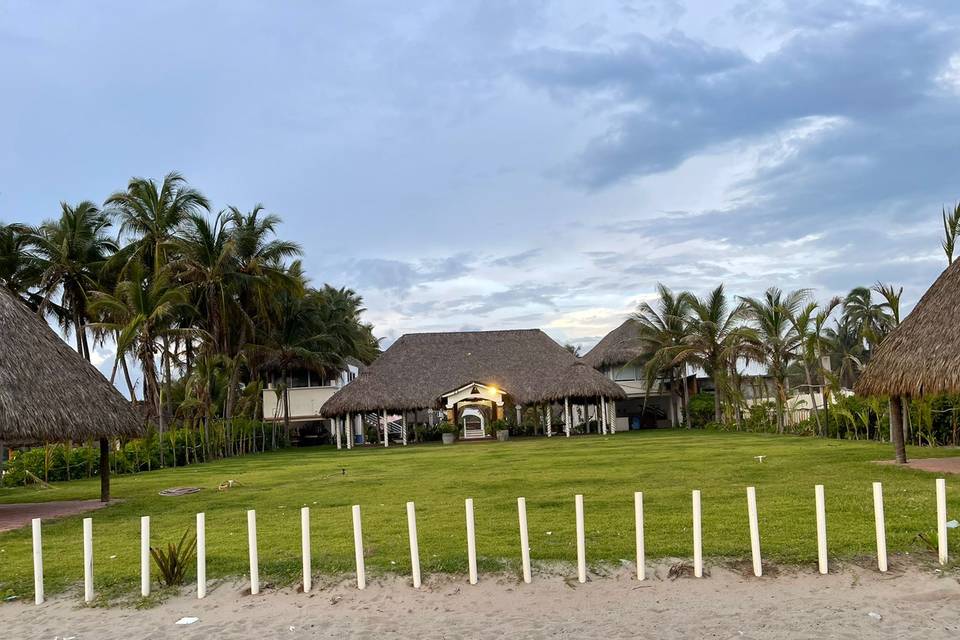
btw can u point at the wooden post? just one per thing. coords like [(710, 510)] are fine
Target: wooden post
[(881, 528), (403, 422), (145, 556), (603, 415), (549, 420), (337, 424), (612, 417), (305, 548), (638, 526), (88, 559), (566, 416), (386, 430), (697, 536), (821, 530), (414, 545), (37, 561), (524, 539), (201, 555), (471, 542), (896, 429), (581, 540), (942, 520), (358, 548), (104, 470), (252, 547), (519, 414), (754, 531)]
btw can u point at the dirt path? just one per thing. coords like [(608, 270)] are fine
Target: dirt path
[(14, 516)]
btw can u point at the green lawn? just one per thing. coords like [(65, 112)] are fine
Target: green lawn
[(665, 465)]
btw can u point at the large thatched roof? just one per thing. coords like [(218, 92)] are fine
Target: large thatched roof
[(47, 391), (617, 348), (420, 367), (922, 355)]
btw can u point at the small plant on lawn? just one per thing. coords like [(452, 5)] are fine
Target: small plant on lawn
[(172, 561)]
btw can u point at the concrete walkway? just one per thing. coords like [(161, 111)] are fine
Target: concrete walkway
[(14, 516)]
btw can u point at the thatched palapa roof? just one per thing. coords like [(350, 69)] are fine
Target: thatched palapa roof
[(617, 348), (421, 367), (47, 391), (922, 355)]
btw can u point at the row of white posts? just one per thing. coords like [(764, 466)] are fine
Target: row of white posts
[(821, 522)]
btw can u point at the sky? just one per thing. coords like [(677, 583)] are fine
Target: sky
[(489, 165)]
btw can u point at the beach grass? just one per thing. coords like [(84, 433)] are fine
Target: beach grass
[(666, 465)]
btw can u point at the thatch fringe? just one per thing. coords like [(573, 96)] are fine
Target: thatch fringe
[(47, 391), (922, 355), (617, 348), (420, 367)]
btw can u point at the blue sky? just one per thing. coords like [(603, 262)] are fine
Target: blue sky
[(476, 165)]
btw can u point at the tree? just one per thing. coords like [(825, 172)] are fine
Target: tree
[(713, 339), (661, 331), (870, 319), (809, 324), (19, 268), (777, 338)]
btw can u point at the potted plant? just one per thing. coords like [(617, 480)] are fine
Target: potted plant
[(501, 428), (448, 432)]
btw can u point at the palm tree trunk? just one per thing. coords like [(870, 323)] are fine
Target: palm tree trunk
[(104, 470)]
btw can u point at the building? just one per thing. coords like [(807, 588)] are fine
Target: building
[(471, 379)]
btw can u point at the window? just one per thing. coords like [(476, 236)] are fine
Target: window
[(299, 378), (629, 372)]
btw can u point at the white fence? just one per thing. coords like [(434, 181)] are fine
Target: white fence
[(752, 524)]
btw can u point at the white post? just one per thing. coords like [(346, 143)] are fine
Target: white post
[(414, 545), (358, 548), (942, 520), (821, 530), (549, 420), (611, 417), (350, 430), (697, 536), (37, 562), (145, 556), (252, 544), (641, 552), (337, 424), (386, 430), (519, 414), (881, 529), (305, 548), (566, 416), (471, 542), (88, 559), (524, 539), (201, 555), (603, 415), (403, 421), (754, 531), (581, 541)]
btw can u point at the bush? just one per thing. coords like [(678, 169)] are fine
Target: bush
[(701, 409)]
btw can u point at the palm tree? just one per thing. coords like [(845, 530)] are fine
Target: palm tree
[(871, 319), (951, 230), (71, 252), (846, 348), (661, 332), (19, 268), (777, 339), (712, 339), (809, 324)]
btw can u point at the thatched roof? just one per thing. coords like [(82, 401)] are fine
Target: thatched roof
[(617, 348), (420, 367), (47, 391), (922, 355)]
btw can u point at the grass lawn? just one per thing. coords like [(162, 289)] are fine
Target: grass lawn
[(665, 465)]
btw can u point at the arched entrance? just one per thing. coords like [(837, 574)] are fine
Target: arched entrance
[(472, 407)]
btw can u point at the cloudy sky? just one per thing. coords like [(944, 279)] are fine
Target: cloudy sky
[(479, 165)]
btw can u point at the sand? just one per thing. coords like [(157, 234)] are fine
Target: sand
[(854, 602)]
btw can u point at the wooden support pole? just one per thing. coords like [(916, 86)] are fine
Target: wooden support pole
[(305, 549), (37, 561), (581, 540), (414, 544), (549, 420), (638, 527), (880, 526), (822, 563), (337, 424), (471, 542), (201, 556), (524, 539), (403, 422), (88, 559), (386, 430), (252, 549), (896, 429), (145, 556), (358, 548), (942, 521), (754, 531), (603, 415), (566, 416), (697, 536)]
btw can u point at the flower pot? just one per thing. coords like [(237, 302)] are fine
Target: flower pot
[(503, 435), (448, 438)]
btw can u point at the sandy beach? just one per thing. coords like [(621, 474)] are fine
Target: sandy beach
[(853, 602)]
